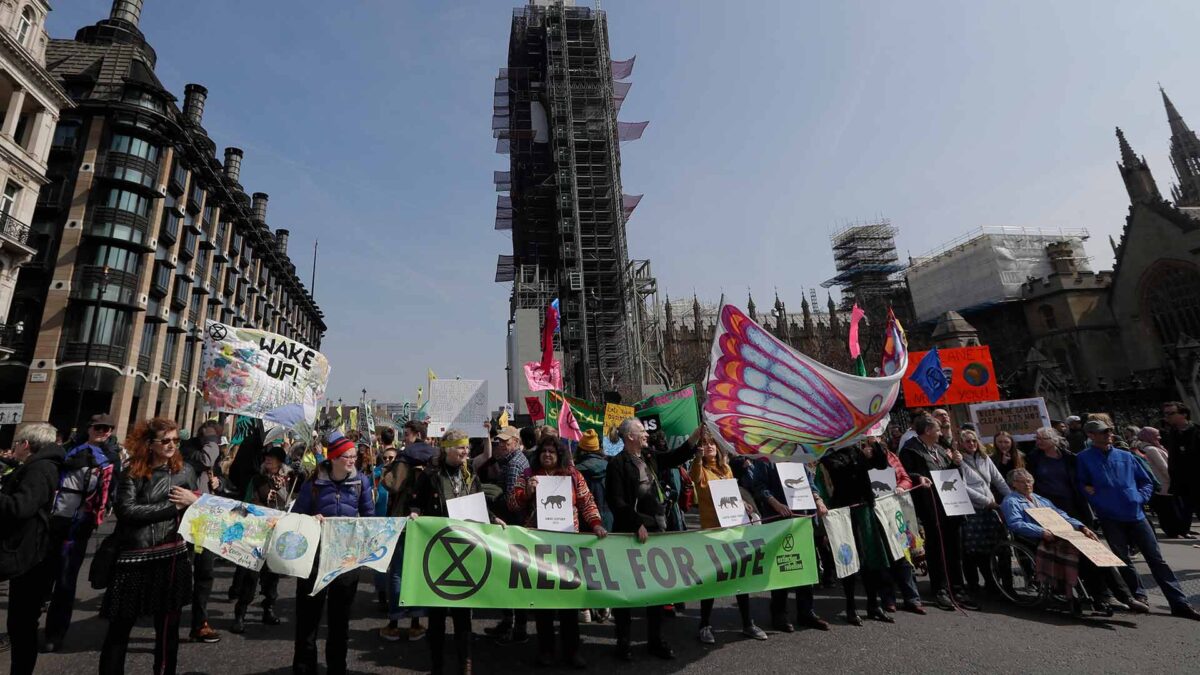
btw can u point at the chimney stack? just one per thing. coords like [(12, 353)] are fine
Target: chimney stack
[(260, 207), (194, 97), (233, 163), (281, 241), (129, 11)]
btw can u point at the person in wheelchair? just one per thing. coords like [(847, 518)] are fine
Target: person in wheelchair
[(1026, 530)]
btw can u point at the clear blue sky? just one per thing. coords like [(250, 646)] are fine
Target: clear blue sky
[(771, 124)]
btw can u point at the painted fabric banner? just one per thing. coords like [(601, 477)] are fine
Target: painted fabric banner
[(587, 414), (263, 375), (916, 544), (292, 549), (766, 398), (841, 541), (350, 543), (895, 527), (449, 563), (236, 531)]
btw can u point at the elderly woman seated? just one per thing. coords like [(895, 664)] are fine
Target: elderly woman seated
[(1057, 560)]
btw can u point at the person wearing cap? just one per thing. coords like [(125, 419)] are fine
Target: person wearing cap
[(512, 464), (69, 536), (1118, 487), (271, 487), (335, 490)]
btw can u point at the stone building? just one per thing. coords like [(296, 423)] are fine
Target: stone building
[(32, 100), (142, 236)]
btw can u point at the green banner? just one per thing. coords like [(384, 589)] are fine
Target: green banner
[(455, 563), (678, 411), (589, 415)]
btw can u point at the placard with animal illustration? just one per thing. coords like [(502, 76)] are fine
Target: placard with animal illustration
[(727, 500), (796, 488), (952, 491), (554, 504)]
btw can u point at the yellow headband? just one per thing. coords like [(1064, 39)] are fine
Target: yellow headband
[(460, 443)]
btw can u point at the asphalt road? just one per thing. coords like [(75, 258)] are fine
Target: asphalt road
[(997, 639)]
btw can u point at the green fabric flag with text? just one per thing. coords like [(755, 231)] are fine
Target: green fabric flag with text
[(589, 415), (678, 411), (456, 563)]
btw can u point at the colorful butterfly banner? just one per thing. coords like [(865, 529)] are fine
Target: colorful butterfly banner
[(765, 398)]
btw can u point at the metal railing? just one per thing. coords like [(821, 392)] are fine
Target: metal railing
[(14, 229)]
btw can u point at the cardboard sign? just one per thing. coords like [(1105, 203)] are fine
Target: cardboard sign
[(457, 404), (969, 371), (952, 490), (614, 414), (11, 413), (1098, 553), (727, 500), (883, 481), (1020, 417), (472, 507), (796, 489), (554, 504)]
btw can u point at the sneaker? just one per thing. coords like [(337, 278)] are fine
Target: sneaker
[(392, 633), (416, 633), (753, 631), (942, 600), (706, 636), (966, 601), (585, 616), (1137, 605), (269, 617), (600, 615), (204, 634)]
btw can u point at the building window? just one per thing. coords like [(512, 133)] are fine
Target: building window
[(66, 135), (1171, 298), (116, 258), (131, 145), (111, 329), (128, 201), (1048, 318), (8, 202), (25, 25), (143, 99)]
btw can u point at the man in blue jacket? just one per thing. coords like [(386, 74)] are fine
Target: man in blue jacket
[(1118, 488)]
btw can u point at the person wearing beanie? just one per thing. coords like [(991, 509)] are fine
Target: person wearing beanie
[(592, 464), (335, 490)]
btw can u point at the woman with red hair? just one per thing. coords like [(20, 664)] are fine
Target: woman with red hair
[(152, 574)]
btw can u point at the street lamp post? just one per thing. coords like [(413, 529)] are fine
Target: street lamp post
[(87, 353)]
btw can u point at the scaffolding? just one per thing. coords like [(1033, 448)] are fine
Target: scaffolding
[(555, 115), (865, 257)]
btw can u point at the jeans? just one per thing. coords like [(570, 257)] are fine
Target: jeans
[(202, 583), (804, 604), (901, 577), (249, 582), (64, 558), (166, 644), (25, 594), (624, 620), (340, 594), (1120, 536), (437, 636), (568, 625)]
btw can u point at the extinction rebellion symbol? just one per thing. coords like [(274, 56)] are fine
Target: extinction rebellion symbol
[(461, 561), (217, 331)]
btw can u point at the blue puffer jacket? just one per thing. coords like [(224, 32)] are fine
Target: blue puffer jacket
[(1121, 487), (321, 495)]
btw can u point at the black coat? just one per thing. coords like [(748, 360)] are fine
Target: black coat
[(918, 460), (25, 502), (621, 484), (849, 478), (145, 516), (1183, 460)]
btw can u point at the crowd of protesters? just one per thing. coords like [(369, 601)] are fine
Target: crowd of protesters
[(54, 494)]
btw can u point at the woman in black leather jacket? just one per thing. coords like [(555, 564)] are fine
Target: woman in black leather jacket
[(152, 574)]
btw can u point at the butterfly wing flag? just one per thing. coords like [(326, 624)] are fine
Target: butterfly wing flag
[(929, 376), (765, 398)]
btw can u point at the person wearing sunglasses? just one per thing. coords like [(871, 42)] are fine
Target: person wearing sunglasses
[(152, 574), (335, 490)]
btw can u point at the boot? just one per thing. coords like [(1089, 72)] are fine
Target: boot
[(269, 618), (239, 622)]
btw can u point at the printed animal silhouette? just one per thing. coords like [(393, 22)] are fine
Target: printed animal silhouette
[(556, 501), (793, 482), (731, 502), (880, 487), (948, 485)]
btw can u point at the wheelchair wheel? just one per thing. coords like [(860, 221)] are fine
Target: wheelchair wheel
[(1014, 569)]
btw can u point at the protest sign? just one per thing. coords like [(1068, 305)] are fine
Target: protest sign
[(677, 412), (841, 541), (554, 504), (614, 414), (350, 543), (450, 563), (292, 549), (1020, 417), (727, 501), (472, 507), (796, 489), (883, 481), (1098, 553), (236, 531), (968, 370), (262, 375), (952, 491), (895, 529), (457, 404)]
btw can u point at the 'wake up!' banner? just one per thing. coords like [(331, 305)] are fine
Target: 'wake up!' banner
[(454, 563)]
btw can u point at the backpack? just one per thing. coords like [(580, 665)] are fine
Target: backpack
[(83, 485)]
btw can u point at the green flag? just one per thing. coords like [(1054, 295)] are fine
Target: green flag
[(678, 412), (456, 563), (589, 415)]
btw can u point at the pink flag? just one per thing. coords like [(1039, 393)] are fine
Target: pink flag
[(568, 428), (856, 315), (542, 380)]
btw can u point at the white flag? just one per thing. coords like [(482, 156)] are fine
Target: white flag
[(841, 541), (891, 517)]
